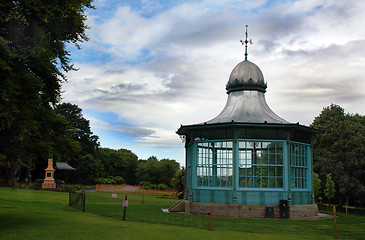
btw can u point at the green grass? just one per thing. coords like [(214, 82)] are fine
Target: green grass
[(28, 214)]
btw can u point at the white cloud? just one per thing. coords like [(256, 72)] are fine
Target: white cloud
[(171, 67)]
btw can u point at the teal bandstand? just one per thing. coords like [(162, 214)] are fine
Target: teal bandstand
[(248, 161)]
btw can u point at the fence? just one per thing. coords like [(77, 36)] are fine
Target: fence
[(77, 200), (350, 210), (141, 208), (148, 209)]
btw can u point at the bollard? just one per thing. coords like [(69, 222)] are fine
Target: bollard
[(125, 205)]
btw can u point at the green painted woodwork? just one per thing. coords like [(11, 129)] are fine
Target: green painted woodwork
[(249, 163), (247, 171)]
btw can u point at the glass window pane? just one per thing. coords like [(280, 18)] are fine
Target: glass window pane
[(214, 164), (260, 164), (299, 165)]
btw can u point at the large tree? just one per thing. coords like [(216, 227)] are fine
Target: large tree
[(120, 162), (79, 127), (33, 58), (84, 161), (340, 150), (157, 172)]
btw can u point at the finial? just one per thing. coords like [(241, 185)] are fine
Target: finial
[(245, 42)]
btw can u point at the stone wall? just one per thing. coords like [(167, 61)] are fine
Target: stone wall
[(249, 211)]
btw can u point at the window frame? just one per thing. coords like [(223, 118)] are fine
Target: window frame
[(278, 165)]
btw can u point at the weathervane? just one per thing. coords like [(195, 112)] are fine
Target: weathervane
[(245, 42)]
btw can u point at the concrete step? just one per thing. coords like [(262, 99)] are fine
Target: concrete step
[(178, 206)]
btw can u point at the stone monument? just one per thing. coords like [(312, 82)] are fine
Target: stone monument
[(49, 182)]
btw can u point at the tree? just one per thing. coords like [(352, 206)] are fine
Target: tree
[(316, 185), (168, 168), (33, 57), (178, 181), (340, 150), (330, 190), (122, 162), (130, 167), (157, 172), (148, 170), (79, 127), (88, 170)]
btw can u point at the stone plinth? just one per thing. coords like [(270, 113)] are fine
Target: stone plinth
[(249, 211), (49, 182)]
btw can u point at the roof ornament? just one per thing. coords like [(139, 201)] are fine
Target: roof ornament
[(245, 42)]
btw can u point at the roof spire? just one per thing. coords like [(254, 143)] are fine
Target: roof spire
[(245, 42)]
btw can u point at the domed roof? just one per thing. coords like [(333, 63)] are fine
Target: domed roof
[(246, 76), (246, 98)]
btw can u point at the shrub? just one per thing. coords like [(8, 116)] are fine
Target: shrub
[(149, 186), (146, 185), (162, 186), (180, 195), (105, 181), (110, 180), (118, 180), (29, 186), (71, 188)]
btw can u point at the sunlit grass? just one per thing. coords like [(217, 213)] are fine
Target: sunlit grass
[(27, 214)]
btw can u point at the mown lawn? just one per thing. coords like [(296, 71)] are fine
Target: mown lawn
[(30, 214)]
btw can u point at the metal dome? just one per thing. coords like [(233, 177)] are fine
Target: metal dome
[(246, 98), (246, 76), (247, 107)]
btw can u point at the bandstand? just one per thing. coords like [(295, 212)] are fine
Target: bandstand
[(248, 161)]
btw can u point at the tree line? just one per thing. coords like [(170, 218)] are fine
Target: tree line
[(35, 126), (79, 147), (33, 60)]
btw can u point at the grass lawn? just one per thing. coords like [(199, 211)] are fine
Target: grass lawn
[(29, 214)]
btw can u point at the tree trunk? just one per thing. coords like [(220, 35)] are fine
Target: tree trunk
[(10, 174)]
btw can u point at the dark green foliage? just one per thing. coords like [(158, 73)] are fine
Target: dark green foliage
[(150, 186), (33, 36), (316, 185), (110, 180), (178, 181), (155, 172), (122, 162), (79, 129), (79, 126), (88, 170), (340, 150), (330, 190)]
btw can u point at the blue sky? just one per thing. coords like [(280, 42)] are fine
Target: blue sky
[(150, 66)]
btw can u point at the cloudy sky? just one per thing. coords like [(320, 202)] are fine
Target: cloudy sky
[(152, 65)]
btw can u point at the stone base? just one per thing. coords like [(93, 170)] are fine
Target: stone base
[(249, 211), (47, 184)]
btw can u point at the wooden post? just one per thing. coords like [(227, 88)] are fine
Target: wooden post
[(83, 199), (125, 203), (335, 221), (142, 197), (347, 205), (211, 216)]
